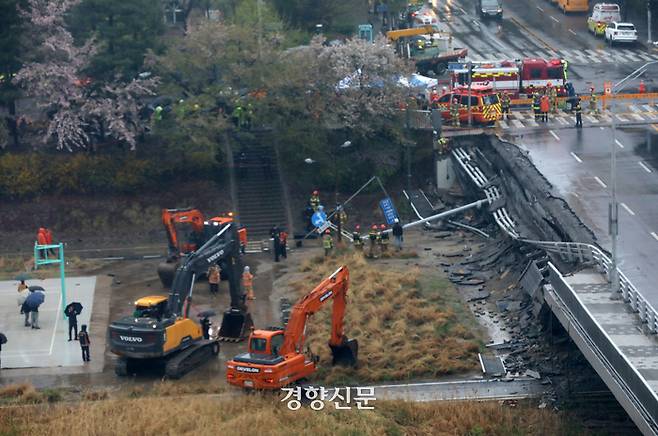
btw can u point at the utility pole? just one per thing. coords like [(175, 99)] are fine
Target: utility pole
[(613, 208), (649, 22), (470, 112)]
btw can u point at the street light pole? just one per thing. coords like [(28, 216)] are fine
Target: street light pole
[(649, 22), (470, 80), (613, 208), (338, 206)]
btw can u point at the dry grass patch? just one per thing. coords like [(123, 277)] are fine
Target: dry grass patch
[(408, 324), (266, 415), (21, 393)]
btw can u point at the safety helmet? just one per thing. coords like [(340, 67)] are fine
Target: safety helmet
[(396, 220), (246, 269), (316, 193)]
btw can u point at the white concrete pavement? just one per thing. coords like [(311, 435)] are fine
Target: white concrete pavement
[(48, 346)]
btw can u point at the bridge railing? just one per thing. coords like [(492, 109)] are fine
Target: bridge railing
[(569, 251)]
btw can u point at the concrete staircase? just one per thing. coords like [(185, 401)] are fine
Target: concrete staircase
[(260, 197)]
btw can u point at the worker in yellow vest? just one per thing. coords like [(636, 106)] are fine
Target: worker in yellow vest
[(327, 243)]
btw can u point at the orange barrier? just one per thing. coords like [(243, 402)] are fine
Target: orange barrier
[(586, 97)]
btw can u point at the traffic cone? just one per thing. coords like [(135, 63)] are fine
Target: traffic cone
[(642, 88)]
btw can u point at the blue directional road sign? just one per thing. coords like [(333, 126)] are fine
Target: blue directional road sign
[(387, 207), (318, 218)]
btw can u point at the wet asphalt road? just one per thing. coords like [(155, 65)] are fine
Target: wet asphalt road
[(577, 163), (537, 28)]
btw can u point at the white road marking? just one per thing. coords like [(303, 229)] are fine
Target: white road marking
[(572, 32), (634, 108), (602, 128), (555, 19), (540, 9), (628, 209), (654, 236), (554, 135), (561, 121), (600, 182), (518, 124), (575, 156), (52, 340), (646, 168), (638, 117), (503, 124), (619, 143)]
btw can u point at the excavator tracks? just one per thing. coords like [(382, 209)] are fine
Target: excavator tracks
[(190, 358)]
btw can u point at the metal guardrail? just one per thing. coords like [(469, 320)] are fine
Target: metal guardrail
[(642, 397), (571, 251)]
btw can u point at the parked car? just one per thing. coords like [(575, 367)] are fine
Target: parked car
[(620, 32), (602, 15), (490, 8)]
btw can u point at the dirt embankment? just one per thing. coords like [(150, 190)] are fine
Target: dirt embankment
[(104, 221)]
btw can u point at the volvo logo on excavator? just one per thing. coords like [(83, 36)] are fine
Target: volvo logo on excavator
[(130, 338), (215, 256), (325, 296)]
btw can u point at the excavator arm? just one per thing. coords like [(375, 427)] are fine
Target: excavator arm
[(334, 288)]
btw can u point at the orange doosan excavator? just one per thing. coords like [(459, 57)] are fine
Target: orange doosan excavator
[(201, 232), (276, 358)]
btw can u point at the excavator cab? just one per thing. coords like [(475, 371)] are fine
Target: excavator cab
[(267, 342), (153, 306)]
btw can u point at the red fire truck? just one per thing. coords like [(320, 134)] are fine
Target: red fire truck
[(513, 77), (485, 105)]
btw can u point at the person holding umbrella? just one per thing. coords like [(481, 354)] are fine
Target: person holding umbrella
[(72, 311), (32, 302), (3, 340)]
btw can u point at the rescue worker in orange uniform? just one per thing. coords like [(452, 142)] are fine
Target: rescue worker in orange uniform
[(248, 283), (42, 239), (544, 107)]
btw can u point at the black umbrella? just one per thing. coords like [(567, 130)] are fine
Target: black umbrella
[(77, 307), (206, 313), (3, 339), (36, 288)]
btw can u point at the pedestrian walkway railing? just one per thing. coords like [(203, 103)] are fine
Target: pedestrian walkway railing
[(576, 252)]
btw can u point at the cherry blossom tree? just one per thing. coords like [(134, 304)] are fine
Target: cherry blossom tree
[(81, 112)]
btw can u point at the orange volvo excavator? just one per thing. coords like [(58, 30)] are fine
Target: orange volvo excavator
[(275, 358), (198, 236)]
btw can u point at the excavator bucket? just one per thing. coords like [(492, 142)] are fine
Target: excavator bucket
[(236, 325), (166, 272), (345, 354)]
